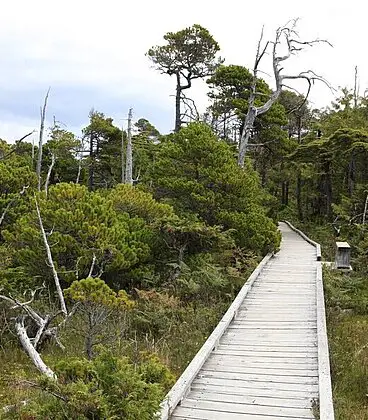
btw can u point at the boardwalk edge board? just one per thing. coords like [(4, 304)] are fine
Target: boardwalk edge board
[(304, 236), (326, 411), (325, 389), (183, 384)]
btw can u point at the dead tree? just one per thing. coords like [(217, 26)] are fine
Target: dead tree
[(190, 110), (31, 344), (365, 210), (52, 164), (51, 263), (122, 156), (42, 323), (40, 142), (129, 152), (356, 87), (285, 36)]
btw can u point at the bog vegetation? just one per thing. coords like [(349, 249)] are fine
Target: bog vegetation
[(120, 250)]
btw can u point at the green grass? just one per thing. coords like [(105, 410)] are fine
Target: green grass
[(173, 330), (347, 324)]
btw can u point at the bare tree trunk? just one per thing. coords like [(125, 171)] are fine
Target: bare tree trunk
[(40, 143), (365, 210), (30, 350), (51, 263), (91, 171), (79, 171), (129, 152), (177, 104), (122, 157), (293, 45), (356, 87), (33, 149), (7, 207), (51, 167), (246, 134)]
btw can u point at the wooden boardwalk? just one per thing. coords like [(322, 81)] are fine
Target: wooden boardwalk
[(268, 357)]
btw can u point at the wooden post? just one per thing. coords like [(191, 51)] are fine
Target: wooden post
[(342, 257)]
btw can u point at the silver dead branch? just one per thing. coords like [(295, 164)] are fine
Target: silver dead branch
[(285, 36), (40, 142), (43, 323)]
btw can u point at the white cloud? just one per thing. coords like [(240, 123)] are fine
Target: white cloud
[(100, 46)]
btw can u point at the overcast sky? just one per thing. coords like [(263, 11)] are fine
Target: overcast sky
[(92, 53)]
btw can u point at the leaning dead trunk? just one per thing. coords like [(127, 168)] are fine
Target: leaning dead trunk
[(30, 349), (51, 263), (288, 35)]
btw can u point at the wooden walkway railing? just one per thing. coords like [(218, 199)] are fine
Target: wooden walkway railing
[(268, 356)]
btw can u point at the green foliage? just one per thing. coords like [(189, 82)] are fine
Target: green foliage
[(197, 173), (177, 328), (146, 129), (104, 145), (15, 173), (64, 145), (94, 291), (135, 202), (346, 292), (254, 231), (189, 54), (200, 278), (83, 224), (231, 86), (191, 51), (107, 387), (230, 91), (153, 371), (347, 305)]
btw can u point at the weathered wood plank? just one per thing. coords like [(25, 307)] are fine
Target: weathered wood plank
[(208, 395), (259, 372), (325, 389), (255, 392), (302, 388), (269, 346), (240, 361), (224, 407), (245, 377), (191, 414)]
